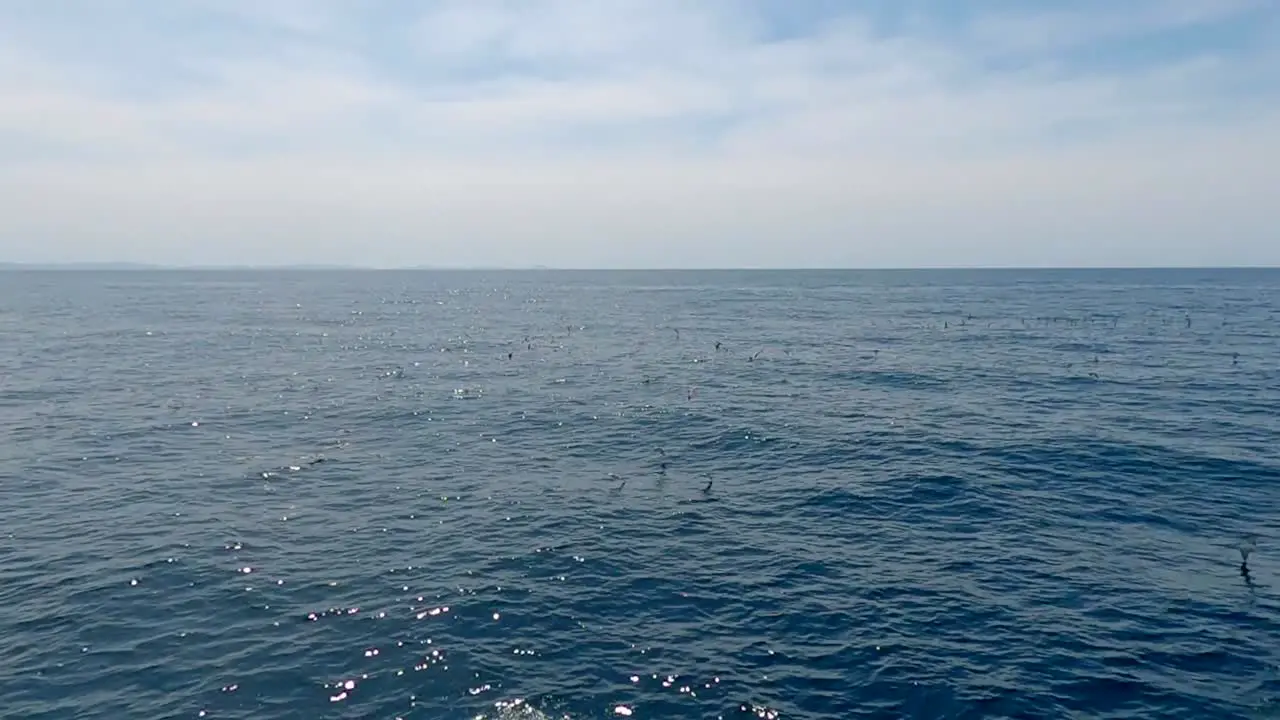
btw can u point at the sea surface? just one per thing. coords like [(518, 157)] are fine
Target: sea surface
[(947, 494)]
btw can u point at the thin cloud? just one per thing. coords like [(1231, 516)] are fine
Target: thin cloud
[(633, 133)]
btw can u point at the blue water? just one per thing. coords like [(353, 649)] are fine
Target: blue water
[(936, 495)]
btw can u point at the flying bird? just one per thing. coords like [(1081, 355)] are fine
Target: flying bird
[(1246, 547)]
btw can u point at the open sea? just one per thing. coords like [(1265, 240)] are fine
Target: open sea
[(500, 495)]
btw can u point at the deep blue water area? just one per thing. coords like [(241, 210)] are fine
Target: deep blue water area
[(942, 494)]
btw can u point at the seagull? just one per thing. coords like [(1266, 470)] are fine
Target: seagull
[(1246, 547), (707, 489)]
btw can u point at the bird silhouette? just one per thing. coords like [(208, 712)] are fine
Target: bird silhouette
[(1246, 547)]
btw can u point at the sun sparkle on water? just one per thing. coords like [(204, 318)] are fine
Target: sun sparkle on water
[(934, 495)]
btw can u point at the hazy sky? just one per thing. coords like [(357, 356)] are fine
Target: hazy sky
[(641, 133)]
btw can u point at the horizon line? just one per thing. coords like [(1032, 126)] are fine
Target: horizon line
[(73, 266)]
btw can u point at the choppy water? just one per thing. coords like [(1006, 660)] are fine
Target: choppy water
[(936, 495)]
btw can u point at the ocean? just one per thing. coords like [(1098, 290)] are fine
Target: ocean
[(800, 495)]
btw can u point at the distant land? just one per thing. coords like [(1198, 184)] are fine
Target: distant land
[(122, 266), (77, 266)]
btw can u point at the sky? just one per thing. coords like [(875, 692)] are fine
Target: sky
[(641, 133)]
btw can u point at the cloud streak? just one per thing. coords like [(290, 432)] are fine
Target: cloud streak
[(640, 134)]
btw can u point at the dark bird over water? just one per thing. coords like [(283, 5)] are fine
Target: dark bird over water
[(1247, 546)]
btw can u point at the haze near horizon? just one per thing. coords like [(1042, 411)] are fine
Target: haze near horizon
[(624, 133)]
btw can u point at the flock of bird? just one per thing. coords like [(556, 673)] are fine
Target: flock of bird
[(1246, 547), (662, 471)]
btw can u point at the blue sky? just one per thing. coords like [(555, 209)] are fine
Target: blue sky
[(641, 133)]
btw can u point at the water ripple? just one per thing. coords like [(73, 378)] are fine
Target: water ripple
[(421, 495)]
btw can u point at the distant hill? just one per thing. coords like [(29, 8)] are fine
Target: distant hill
[(268, 267), (144, 266), (470, 268), (78, 266), (123, 266)]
